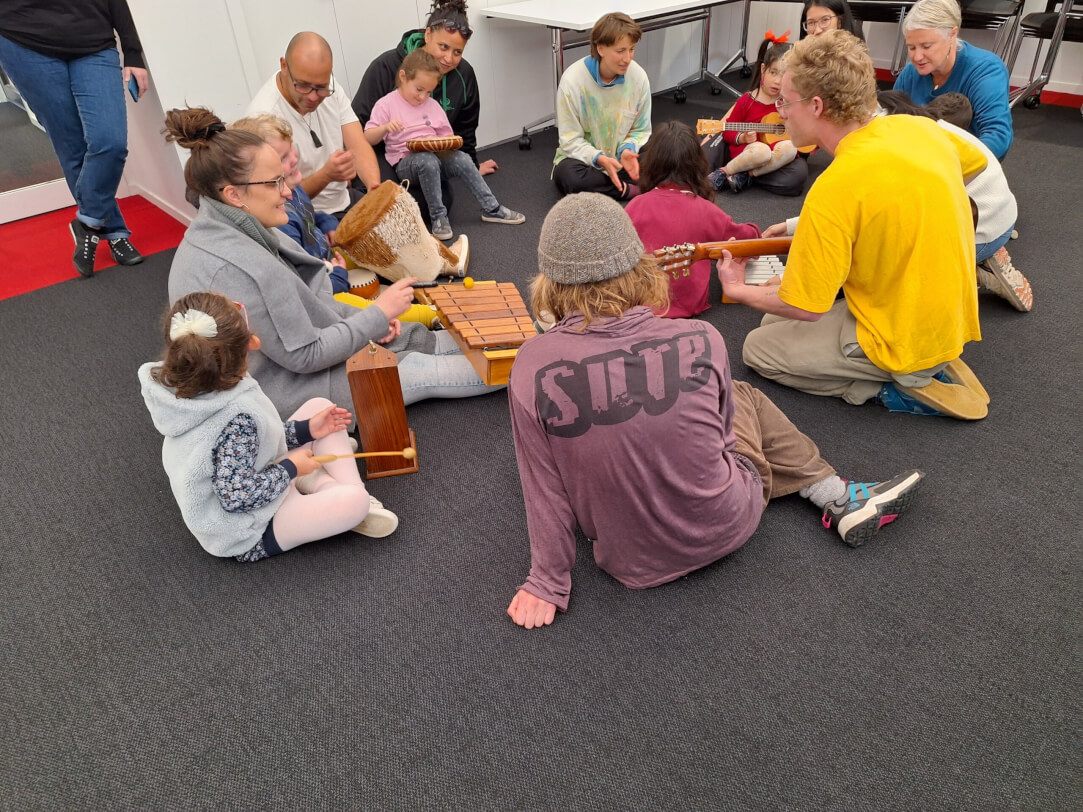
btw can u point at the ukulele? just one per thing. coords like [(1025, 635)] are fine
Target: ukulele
[(770, 129)]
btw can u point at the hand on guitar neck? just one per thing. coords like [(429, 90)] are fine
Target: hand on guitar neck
[(673, 257)]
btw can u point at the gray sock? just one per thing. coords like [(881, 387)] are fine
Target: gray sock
[(826, 490)]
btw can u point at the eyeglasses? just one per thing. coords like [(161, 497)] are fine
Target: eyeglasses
[(779, 104), (244, 312), (822, 22), (323, 91), (453, 27), (279, 183)]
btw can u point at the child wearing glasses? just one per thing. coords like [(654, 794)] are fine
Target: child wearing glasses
[(742, 153), (247, 485), (409, 113)]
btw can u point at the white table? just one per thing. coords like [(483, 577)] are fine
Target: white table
[(565, 16)]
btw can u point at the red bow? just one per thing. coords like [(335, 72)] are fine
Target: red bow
[(783, 38)]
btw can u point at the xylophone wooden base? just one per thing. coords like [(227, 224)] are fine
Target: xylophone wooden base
[(380, 412)]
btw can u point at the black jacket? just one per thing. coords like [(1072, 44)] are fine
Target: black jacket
[(69, 29), (457, 91)]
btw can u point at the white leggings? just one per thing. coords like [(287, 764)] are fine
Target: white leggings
[(339, 501), (759, 159)]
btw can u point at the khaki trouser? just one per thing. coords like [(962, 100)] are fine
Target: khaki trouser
[(822, 357), (785, 458)]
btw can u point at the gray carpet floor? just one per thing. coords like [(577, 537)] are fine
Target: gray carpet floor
[(935, 668)]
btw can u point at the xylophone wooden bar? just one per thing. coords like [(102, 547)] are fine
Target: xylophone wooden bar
[(489, 322)]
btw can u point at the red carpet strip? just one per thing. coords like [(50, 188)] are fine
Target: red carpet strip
[(36, 252)]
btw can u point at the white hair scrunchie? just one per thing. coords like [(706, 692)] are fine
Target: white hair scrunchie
[(193, 322)]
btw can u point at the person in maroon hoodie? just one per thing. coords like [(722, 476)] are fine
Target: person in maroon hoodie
[(676, 205), (630, 427)]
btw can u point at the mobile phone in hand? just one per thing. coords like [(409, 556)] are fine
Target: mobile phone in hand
[(133, 88)]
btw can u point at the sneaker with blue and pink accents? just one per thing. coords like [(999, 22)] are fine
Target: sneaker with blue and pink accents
[(867, 506)]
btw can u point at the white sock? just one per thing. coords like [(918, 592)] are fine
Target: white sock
[(826, 490)]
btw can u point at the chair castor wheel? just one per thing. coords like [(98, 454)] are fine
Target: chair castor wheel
[(680, 96), (746, 71), (1032, 102), (716, 91), (524, 140)]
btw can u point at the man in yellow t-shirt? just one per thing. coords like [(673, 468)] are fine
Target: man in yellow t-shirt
[(889, 225)]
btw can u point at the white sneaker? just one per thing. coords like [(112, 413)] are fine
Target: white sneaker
[(999, 275), (379, 522), (461, 249)]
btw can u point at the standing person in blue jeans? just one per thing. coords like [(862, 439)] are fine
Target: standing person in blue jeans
[(62, 57)]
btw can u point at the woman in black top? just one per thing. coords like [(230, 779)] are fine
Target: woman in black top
[(445, 36), (61, 55)]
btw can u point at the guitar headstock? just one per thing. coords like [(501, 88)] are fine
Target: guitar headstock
[(710, 126), (675, 257)]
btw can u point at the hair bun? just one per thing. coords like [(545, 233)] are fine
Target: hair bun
[(210, 130)]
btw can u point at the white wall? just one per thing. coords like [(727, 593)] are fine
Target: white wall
[(217, 53)]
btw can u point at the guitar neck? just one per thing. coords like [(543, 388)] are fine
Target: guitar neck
[(694, 252), (706, 127)]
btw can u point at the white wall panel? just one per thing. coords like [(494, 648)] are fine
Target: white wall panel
[(218, 52)]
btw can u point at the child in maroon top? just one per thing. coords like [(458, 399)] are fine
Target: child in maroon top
[(678, 207), (749, 155)]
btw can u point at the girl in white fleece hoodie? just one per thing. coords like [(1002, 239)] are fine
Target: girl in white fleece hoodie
[(228, 454)]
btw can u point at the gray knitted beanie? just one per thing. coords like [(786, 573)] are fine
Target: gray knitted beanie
[(587, 237)]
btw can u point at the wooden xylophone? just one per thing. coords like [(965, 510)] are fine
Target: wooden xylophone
[(489, 322)]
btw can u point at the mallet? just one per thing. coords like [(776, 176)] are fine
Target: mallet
[(408, 453)]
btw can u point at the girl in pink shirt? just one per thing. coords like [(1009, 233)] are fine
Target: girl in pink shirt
[(409, 113)]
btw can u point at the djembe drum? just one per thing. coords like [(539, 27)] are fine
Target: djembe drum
[(436, 143), (384, 233)]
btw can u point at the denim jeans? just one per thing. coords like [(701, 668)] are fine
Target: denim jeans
[(445, 374), (424, 169), (81, 105), (987, 249)]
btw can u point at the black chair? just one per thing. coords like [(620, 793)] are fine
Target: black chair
[(1002, 16), (886, 11), (1056, 25)]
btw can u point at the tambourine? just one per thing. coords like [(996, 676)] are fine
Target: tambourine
[(443, 143)]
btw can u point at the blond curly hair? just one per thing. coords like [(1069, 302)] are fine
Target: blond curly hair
[(835, 66), (646, 284)]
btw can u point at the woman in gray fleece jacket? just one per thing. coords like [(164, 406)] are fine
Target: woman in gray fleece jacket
[(233, 248)]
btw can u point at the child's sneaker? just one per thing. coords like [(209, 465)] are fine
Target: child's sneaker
[(868, 506), (998, 275), (379, 522), (504, 215), (441, 228), (719, 179), (739, 182), (461, 249)]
